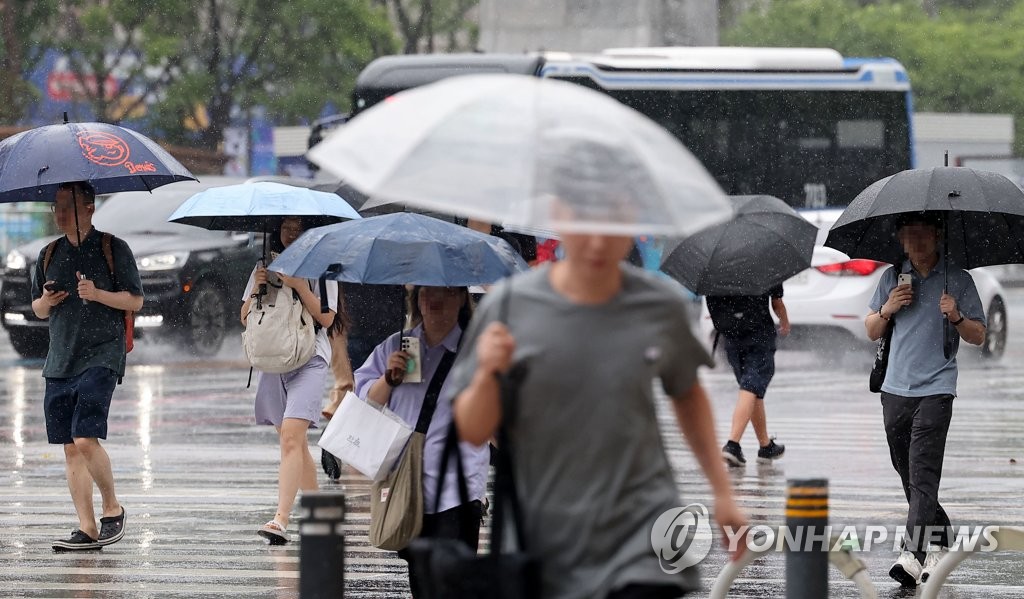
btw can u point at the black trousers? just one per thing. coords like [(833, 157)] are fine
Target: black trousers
[(461, 522), (916, 429), (644, 591)]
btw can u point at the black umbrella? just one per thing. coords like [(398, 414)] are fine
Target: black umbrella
[(982, 215), (764, 244)]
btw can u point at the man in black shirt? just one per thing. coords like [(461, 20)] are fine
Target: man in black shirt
[(748, 331)]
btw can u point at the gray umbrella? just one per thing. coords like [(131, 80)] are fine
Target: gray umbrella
[(764, 244)]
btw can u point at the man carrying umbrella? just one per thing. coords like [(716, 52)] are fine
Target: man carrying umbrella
[(920, 382), (84, 302)]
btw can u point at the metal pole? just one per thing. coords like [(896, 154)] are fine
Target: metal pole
[(322, 546), (807, 552)]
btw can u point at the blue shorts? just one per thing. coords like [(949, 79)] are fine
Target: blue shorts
[(78, 406), (752, 361)]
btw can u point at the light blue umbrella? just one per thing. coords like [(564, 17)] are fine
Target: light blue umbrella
[(399, 249), (251, 206)]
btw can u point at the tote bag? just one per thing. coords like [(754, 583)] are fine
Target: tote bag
[(368, 437)]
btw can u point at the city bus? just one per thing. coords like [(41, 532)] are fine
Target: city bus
[(803, 124)]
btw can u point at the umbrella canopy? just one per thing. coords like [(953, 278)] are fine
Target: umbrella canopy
[(763, 245), (250, 207), (983, 214), (34, 163), (399, 249), (525, 151)]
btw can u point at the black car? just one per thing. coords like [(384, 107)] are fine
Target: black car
[(193, 279)]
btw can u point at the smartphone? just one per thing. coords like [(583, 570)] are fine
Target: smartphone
[(51, 287), (905, 279), (413, 372)]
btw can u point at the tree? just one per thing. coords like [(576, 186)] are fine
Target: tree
[(21, 22), (423, 23), (960, 60)]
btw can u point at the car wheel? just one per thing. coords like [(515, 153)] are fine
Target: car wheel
[(206, 321), (30, 343), (995, 336)]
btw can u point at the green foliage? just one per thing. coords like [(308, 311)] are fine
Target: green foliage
[(966, 57), (21, 22)]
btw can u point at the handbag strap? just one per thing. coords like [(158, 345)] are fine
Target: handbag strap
[(433, 390), (451, 447)]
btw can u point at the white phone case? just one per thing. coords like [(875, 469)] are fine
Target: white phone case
[(413, 373), (905, 279)]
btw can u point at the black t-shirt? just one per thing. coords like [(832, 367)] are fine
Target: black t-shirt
[(737, 316)]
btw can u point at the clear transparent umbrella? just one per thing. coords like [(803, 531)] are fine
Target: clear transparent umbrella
[(525, 152)]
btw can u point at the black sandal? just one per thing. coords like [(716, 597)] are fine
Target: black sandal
[(111, 529)]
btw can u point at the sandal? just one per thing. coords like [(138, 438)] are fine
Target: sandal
[(274, 532)]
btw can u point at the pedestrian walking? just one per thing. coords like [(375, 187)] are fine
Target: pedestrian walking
[(591, 332), (438, 316), (748, 334), (918, 299), (291, 402), (84, 300)]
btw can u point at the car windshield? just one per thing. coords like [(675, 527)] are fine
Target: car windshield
[(141, 213)]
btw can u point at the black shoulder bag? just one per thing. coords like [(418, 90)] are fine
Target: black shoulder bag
[(881, 358), (448, 568)]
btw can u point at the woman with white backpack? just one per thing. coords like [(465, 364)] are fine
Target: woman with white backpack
[(290, 401)]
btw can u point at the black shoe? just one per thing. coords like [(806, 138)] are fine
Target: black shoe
[(111, 529), (733, 454), (79, 541), (770, 452), (330, 464)]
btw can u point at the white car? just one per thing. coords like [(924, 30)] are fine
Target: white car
[(827, 303)]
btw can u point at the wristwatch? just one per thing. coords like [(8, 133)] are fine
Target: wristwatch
[(957, 322)]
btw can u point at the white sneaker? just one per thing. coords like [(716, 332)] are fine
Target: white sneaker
[(931, 560), (906, 570)]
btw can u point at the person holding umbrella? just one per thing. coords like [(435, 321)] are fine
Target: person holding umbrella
[(290, 402), (84, 303), (920, 382)]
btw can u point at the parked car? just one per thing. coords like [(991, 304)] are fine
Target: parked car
[(192, 278), (827, 303)]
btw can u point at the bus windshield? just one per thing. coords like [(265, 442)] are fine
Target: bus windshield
[(811, 148)]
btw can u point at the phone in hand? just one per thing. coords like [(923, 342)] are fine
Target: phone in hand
[(51, 287), (413, 372), (905, 279)]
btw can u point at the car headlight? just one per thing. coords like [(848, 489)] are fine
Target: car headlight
[(16, 260), (166, 261)]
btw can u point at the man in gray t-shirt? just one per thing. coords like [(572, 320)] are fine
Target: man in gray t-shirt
[(920, 381), (590, 465)]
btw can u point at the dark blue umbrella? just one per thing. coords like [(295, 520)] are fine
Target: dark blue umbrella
[(399, 249), (34, 163)]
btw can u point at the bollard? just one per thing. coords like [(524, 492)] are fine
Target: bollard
[(807, 546), (322, 549)]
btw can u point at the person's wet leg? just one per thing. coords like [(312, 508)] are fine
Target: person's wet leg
[(98, 463), (292, 470), (80, 484), (927, 449)]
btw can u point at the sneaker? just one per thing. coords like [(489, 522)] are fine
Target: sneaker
[(733, 454), (906, 570), (111, 529), (931, 560), (771, 452), (79, 541)]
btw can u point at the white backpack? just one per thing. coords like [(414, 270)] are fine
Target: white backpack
[(280, 334)]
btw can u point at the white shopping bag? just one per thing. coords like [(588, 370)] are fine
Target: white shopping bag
[(368, 437)]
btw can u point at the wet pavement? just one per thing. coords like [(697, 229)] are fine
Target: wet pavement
[(197, 479)]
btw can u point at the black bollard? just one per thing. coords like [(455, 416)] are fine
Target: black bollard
[(808, 539), (322, 549)]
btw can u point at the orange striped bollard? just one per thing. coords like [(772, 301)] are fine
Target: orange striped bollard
[(807, 539)]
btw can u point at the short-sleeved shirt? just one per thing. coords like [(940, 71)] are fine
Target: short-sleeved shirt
[(86, 334), (746, 316), (591, 470), (323, 344), (407, 401), (917, 364)]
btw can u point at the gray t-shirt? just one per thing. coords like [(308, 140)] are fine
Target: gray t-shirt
[(917, 364), (591, 470), (84, 335)]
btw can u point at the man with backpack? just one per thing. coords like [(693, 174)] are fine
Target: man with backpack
[(85, 300), (748, 334)]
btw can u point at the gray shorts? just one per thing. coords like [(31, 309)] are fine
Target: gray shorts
[(295, 394)]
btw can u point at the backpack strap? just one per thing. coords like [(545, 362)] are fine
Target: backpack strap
[(107, 243), (48, 255)]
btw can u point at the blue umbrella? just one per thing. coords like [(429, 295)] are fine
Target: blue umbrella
[(34, 163), (398, 249), (249, 207)]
